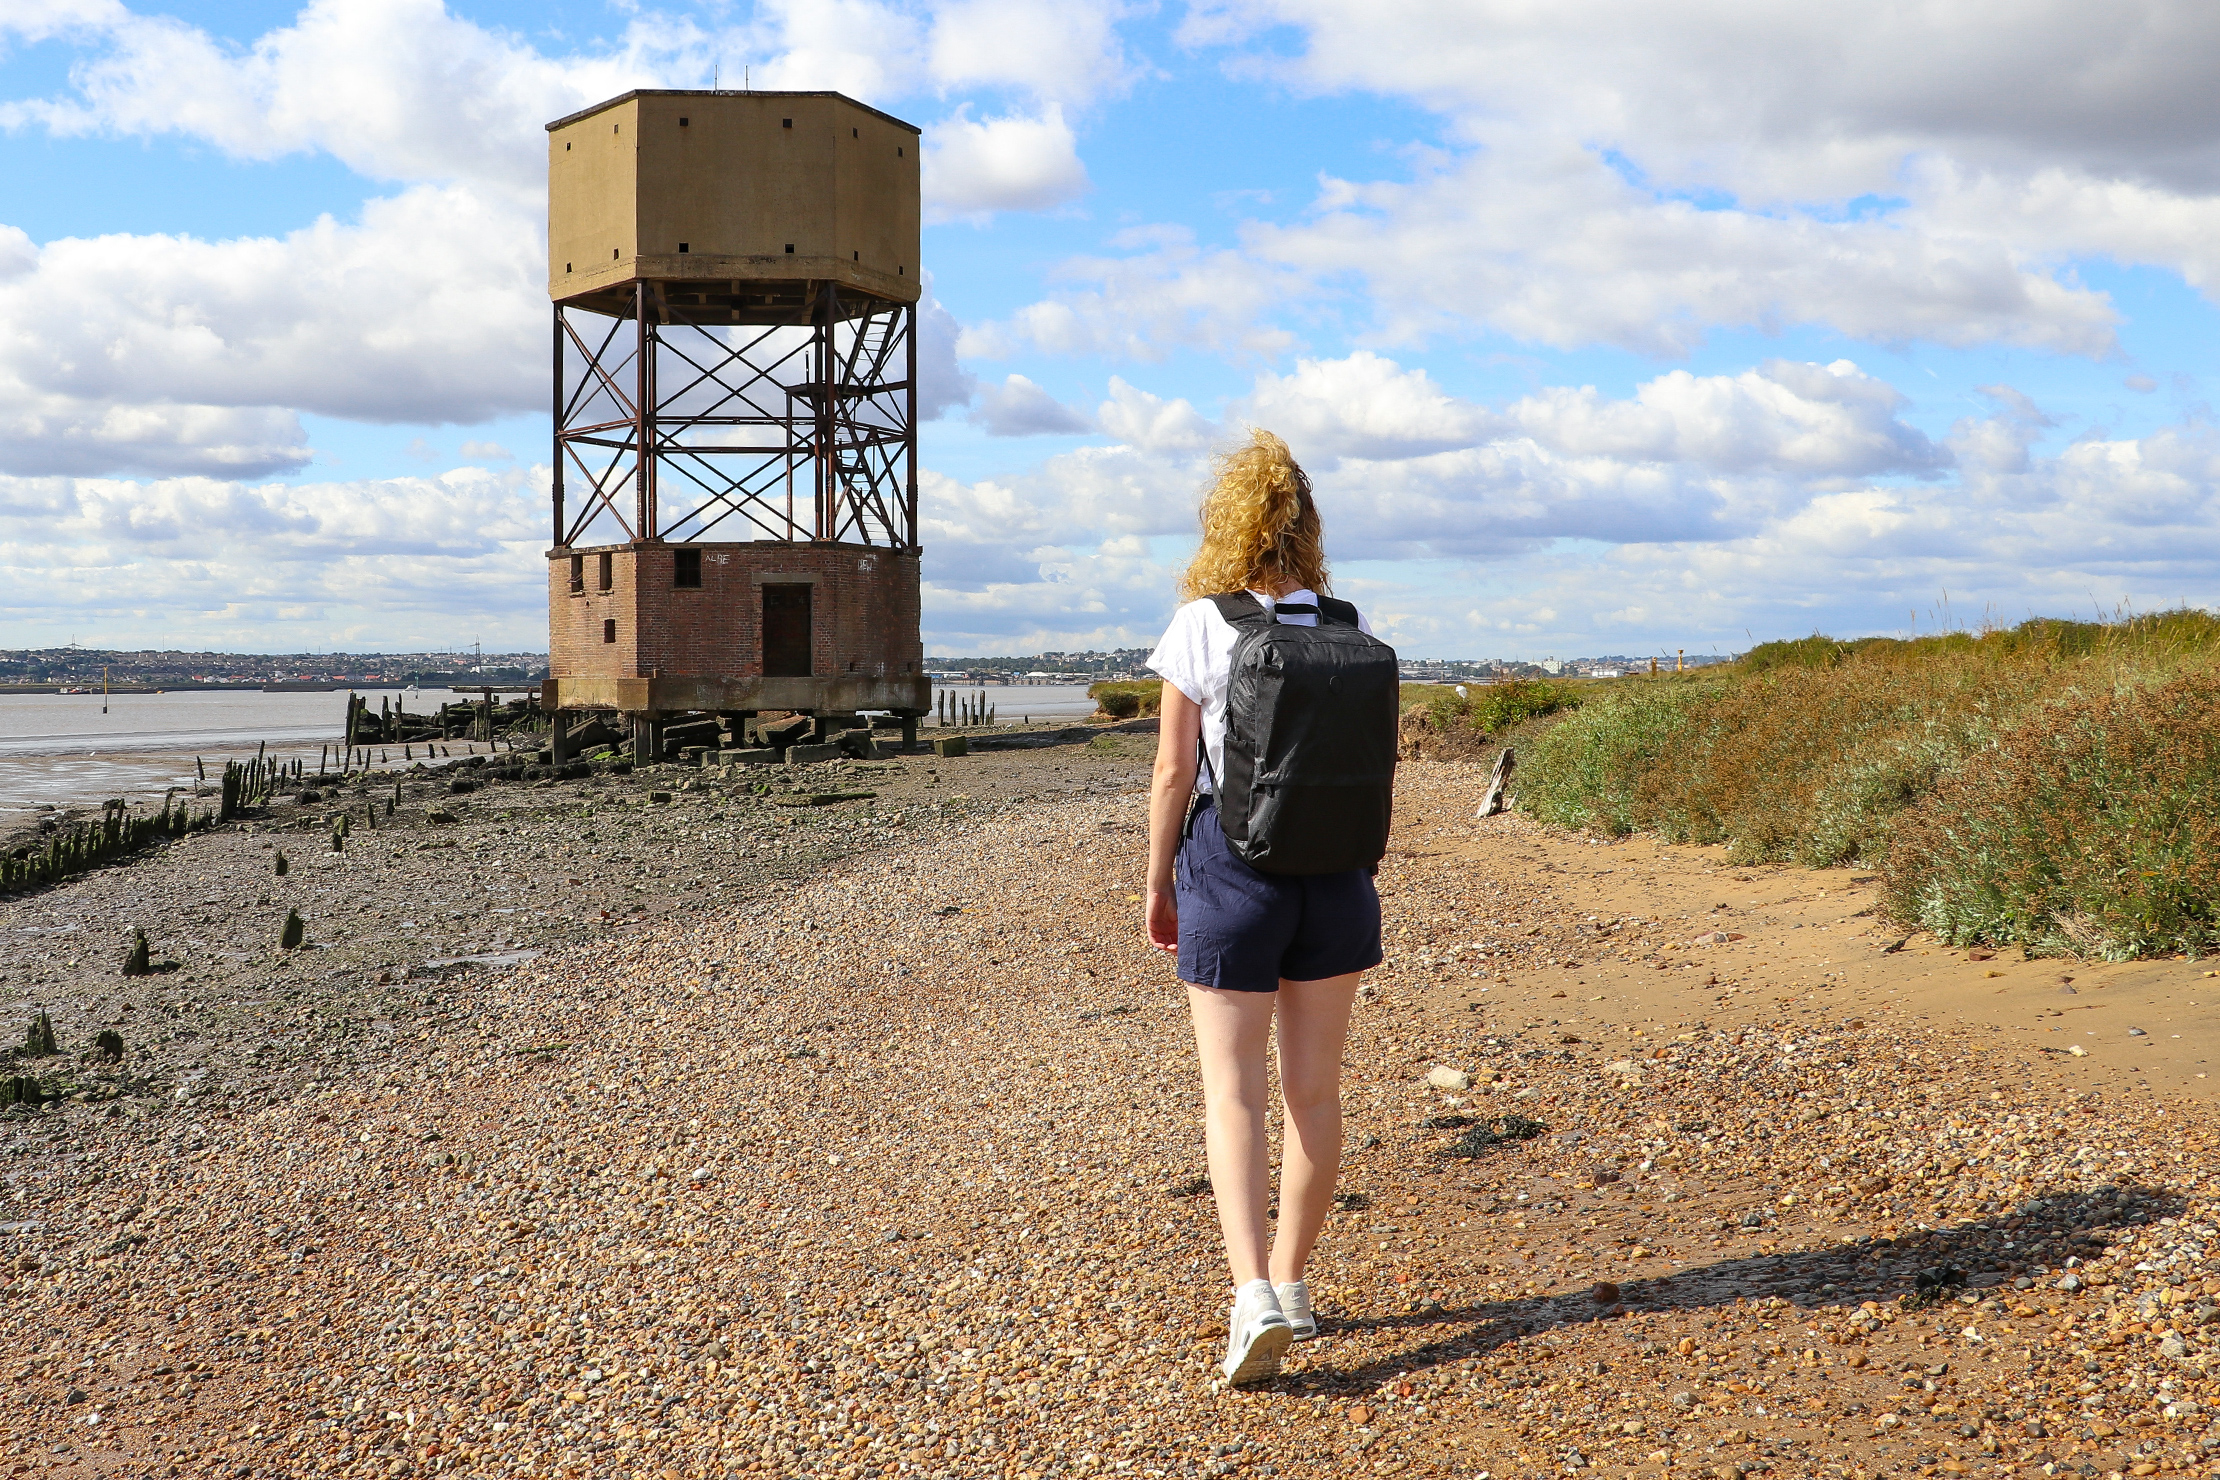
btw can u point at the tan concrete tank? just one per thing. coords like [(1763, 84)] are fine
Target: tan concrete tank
[(724, 188)]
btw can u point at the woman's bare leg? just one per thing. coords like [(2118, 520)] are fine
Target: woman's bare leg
[(1314, 1024), (1231, 1032)]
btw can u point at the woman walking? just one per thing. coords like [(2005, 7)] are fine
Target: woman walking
[(1256, 946)]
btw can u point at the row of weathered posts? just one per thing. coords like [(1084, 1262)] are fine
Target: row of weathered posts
[(465, 719), (90, 844), (87, 845), (965, 709)]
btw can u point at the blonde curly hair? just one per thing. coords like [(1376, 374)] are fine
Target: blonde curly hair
[(1258, 524)]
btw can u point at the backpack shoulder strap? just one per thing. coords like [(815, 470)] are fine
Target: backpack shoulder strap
[(1238, 607), (1343, 613)]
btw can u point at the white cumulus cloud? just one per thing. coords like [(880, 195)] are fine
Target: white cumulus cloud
[(392, 562), (1019, 408), (974, 167)]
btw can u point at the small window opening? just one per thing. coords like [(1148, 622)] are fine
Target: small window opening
[(614, 127), (790, 246), (614, 252), (566, 146), (898, 269), (682, 123), (566, 267), (686, 569), (859, 256), (897, 150), (577, 572), (855, 133), (607, 571), (609, 629), (786, 123), (682, 247)]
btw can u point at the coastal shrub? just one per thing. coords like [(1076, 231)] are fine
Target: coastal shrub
[(1440, 724), (1127, 698), (2045, 785), (1811, 765), (1588, 770), (2091, 828)]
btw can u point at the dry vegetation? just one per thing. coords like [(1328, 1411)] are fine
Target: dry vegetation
[(1466, 721), (1127, 698), (2051, 785)]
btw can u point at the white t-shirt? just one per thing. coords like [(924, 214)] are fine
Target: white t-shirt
[(1195, 656)]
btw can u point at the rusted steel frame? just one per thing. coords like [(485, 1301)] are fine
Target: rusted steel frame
[(909, 429), (873, 337), (872, 498), (826, 522), (555, 425), (643, 408), (715, 374), (568, 435), (601, 374), (857, 339), (735, 497), (744, 354), (693, 462), (732, 393), (877, 318), (603, 474), (869, 499), (614, 471), (745, 508), (591, 432), (602, 499)]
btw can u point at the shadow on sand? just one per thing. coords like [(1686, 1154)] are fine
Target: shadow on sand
[(2044, 1230)]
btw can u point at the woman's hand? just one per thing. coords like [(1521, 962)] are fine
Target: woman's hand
[(1162, 912), (1173, 783)]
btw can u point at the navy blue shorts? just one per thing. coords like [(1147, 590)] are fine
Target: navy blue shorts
[(1244, 931)]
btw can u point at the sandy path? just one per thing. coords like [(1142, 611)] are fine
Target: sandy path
[(887, 1179)]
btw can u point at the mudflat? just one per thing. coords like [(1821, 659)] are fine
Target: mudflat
[(884, 1159)]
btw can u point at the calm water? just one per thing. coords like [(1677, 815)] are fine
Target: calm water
[(59, 750)]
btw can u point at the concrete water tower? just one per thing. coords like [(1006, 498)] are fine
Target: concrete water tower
[(735, 280)]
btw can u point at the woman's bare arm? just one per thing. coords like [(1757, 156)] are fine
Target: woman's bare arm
[(1168, 793)]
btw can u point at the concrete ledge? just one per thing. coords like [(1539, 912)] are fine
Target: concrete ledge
[(749, 757), (676, 693), (1070, 735)]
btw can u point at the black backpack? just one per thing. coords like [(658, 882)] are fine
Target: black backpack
[(1310, 740)]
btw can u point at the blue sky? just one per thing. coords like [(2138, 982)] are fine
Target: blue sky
[(1608, 328)]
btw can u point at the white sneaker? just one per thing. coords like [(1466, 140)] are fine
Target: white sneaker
[(1257, 1336), (1295, 1305)]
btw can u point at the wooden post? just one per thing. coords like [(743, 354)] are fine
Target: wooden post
[(1499, 782)]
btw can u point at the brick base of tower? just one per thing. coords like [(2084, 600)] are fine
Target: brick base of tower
[(656, 629)]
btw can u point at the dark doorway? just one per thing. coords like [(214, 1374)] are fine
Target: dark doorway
[(786, 631)]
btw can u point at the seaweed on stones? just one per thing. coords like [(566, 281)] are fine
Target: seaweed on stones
[(1493, 1135), (1933, 1287)]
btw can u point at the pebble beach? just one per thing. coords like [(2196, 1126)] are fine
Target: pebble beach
[(683, 1133)]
